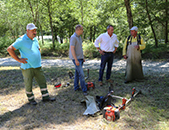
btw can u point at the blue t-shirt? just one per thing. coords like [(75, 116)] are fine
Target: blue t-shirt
[(28, 49)]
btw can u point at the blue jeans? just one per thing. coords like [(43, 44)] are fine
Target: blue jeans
[(79, 75), (106, 58)]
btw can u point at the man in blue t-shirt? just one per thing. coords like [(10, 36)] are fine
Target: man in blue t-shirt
[(30, 62)]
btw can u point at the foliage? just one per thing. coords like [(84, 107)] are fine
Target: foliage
[(4, 43), (14, 19), (61, 49), (61, 16), (151, 52), (95, 15), (90, 50)]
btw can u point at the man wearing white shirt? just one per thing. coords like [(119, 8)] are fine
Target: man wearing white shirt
[(108, 46)]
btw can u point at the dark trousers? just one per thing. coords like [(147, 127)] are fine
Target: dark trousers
[(106, 58)]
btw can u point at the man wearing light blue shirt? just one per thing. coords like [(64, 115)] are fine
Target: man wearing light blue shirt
[(30, 63), (108, 46)]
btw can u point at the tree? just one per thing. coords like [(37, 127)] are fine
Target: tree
[(14, 18), (34, 8), (59, 17), (166, 22), (34, 13), (151, 24), (50, 7), (63, 21), (129, 13)]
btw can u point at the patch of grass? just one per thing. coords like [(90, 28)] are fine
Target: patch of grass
[(148, 111)]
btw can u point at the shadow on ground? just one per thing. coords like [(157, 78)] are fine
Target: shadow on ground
[(147, 111)]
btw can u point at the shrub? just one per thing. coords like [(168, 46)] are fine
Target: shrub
[(4, 43), (152, 52), (61, 49), (90, 50)]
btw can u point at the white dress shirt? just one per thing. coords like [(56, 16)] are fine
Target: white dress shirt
[(107, 43)]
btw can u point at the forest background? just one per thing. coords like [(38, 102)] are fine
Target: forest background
[(57, 19)]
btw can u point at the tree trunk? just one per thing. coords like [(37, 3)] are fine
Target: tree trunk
[(166, 28), (41, 34), (41, 30), (70, 30), (129, 13), (33, 15), (94, 32), (50, 20), (61, 40), (55, 34), (91, 33), (81, 5), (151, 24)]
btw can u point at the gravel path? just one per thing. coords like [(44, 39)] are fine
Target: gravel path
[(118, 65)]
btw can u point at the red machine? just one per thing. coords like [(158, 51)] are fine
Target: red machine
[(57, 85), (112, 112), (89, 85)]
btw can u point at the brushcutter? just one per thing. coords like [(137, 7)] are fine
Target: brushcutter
[(89, 85), (58, 84), (71, 76), (112, 112)]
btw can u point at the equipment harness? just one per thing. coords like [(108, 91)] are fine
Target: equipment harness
[(129, 39)]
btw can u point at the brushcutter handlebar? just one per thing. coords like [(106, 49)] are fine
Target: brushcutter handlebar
[(129, 100), (87, 74), (71, 76), (134, 90)]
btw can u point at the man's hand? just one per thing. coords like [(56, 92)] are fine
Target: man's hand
[(137, 47), (101, 52), (11, 51), (115, 50), (77, 62), (125, 57), (23, 60)]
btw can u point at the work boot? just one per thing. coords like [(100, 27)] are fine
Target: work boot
[(49, 99), (110, 81), (100, 83), (79, 89), (85, 93), (126, 82), (33, 102)]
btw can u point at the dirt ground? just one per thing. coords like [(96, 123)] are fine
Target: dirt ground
[(148, 111)]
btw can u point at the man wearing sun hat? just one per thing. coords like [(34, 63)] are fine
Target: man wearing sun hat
[(132, 53), (30, 60)]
